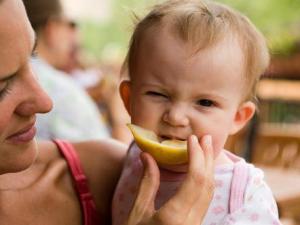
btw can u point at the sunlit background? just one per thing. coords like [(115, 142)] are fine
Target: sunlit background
[(105, 24)]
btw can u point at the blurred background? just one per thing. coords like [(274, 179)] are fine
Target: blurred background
[(272, 139)]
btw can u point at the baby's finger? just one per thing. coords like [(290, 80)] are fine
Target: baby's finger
[(144, 204)]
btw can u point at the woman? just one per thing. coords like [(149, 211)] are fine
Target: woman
[(58, 183), (55, 40)]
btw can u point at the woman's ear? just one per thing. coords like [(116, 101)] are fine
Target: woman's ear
[(242, 116), (125, 92)]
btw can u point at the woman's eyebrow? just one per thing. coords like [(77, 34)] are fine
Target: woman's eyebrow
[(6, 78)]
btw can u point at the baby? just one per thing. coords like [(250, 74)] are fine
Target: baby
[(193, 66)]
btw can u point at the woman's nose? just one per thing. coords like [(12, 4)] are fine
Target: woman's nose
[(35, 99), (176, 115)]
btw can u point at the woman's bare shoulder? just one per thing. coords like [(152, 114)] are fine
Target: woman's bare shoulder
[(102, 162), (102, 158), (104, 148), (90, 150), (97, 158)]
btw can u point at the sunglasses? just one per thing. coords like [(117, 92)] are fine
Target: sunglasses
[(69, 22)]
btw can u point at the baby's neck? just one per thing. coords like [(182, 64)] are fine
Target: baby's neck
[(223, 159)]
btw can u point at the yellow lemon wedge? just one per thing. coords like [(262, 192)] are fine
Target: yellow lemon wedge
[(167, 152)]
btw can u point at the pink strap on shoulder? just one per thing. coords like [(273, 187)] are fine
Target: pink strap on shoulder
[(238, 186), (86, 199)]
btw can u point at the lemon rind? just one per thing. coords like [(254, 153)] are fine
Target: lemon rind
[(162, 153)]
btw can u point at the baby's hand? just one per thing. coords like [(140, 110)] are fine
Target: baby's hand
[(189, 205)]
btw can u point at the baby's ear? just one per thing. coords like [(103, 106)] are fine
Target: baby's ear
[(125, 92), (242, 116)]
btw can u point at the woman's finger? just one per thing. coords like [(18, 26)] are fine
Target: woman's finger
[(143, 207), (208, 152), (196, 156), (195, 194), (206, 174), (201, 205), (193, 182)]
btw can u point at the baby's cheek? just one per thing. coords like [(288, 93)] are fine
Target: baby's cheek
[(218, 145)]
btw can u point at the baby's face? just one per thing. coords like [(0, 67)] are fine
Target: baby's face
[(176, 94)]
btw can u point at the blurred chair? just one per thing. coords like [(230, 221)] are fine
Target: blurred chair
[(276, 150), (277, 146), (279, 101), (272, 142)]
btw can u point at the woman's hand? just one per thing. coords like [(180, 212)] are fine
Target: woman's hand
[(189, 205)]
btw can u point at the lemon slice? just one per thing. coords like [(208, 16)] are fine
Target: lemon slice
[(167, 152)]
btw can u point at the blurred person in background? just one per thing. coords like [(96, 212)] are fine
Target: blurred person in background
[(75, 115), (101, 81)]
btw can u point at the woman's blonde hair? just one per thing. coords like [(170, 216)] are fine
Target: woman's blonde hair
[(202, 24)]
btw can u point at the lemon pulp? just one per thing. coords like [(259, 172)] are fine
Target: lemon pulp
[(167, 152)]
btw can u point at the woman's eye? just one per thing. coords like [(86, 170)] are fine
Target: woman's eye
[(6, 87), (205, 102), (156, 94), (4, 91)]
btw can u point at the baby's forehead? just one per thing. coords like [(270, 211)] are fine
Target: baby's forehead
[(163, 52), (158, 39), (192, 37)]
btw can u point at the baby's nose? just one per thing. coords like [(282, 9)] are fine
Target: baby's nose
[(176, 116)]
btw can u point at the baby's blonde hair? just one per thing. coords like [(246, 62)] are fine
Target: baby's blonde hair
[(202, 24)]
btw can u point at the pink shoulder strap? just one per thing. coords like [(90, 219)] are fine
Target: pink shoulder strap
[(238, 186), (80, 182)]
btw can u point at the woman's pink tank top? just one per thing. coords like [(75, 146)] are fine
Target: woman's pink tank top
[(80, 183)]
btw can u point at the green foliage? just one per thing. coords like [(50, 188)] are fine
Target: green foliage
[(109, 40), (279, 20)]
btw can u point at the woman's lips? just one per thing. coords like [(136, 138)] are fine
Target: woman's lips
[(23, 136)]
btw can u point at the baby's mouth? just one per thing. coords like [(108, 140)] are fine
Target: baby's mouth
[(169, 137)]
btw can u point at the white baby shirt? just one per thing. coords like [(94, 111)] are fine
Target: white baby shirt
[(241, 196)]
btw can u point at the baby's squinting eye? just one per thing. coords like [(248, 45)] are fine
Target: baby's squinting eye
[(205, 102)]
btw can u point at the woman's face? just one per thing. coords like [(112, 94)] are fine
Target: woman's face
[(21, 97)]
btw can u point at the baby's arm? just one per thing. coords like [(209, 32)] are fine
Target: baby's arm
[(259, 205)]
